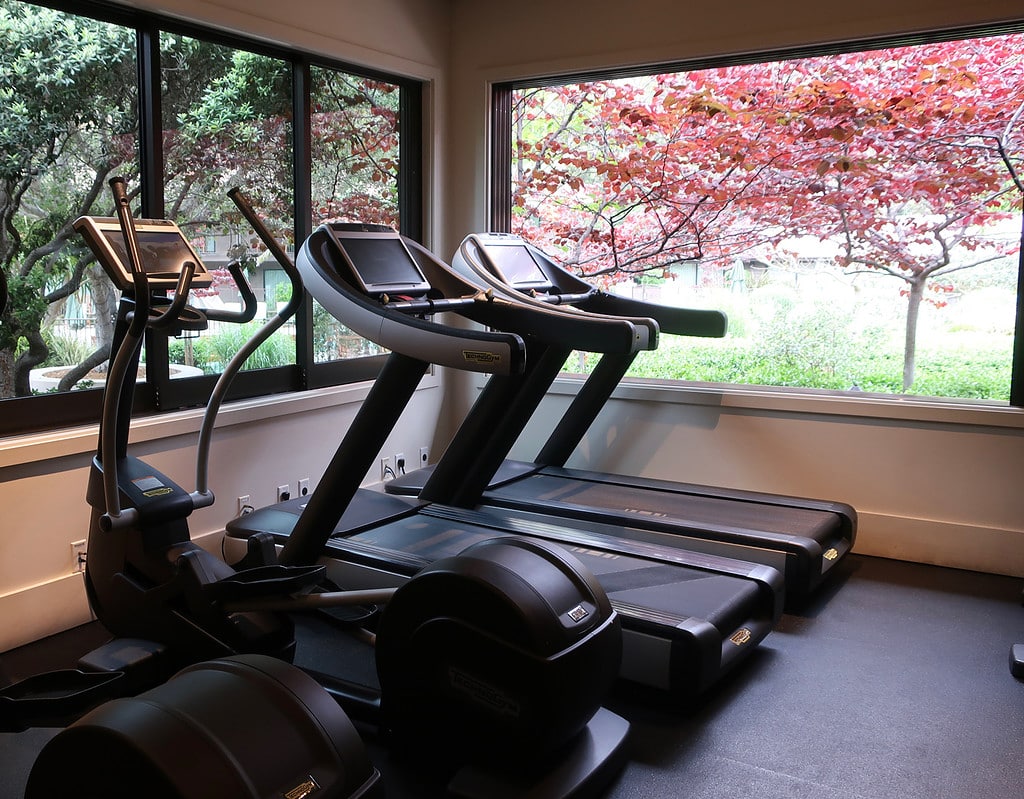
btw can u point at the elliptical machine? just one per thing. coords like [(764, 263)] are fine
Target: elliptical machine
[(145, 577), (212, 728)]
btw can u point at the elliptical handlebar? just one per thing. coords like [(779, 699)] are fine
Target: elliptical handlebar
[(243, 204), (114, 517), (202, 497), (118, 187), (173, 312), (249, 303)]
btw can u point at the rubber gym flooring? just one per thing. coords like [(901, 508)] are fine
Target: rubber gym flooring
[(892, 684)]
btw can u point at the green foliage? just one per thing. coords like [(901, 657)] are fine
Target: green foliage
[(211, 352), (64, 350), (59, 75), (798, 339), (980, 372)]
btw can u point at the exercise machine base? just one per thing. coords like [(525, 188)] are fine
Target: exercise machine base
[(582, 769)]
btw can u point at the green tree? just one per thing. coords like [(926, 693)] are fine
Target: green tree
[(67, 121)]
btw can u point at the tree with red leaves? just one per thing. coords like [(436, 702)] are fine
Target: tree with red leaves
[(901, 159)]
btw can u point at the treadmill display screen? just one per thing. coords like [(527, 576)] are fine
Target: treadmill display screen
[(518, 266), (381, 262)]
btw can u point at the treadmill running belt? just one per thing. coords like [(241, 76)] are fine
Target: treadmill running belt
[(713, 598), (680, 592), (652, 503)]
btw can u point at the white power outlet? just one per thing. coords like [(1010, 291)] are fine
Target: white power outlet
[(424, 456), (387, 472), (304, 487), (283, 493)]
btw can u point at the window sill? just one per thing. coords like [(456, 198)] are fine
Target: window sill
[(37, 447), (920, 410)]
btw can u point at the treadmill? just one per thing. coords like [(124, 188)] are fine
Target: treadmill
[(687, 618), (803, 538)]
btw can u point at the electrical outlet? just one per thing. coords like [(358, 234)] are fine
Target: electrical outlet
[(304, 487), (424, 456), (386, 472), (244, 504), (283, 493), (399, 463), (78, 553)]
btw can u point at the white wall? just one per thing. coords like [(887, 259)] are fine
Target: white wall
[(937, 484), (258, 447)]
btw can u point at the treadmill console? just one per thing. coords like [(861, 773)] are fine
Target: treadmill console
[(378, 259), (163, 249), (514, 262)]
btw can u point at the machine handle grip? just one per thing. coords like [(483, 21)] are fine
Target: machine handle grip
[(173, 312), (249, 304), (239, 198), (220, 390), (118, 187)]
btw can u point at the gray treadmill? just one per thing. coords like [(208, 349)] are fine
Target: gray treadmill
[(687, 618), (803, 538)]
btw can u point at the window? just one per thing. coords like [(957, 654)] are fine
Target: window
[(197, 113), (856, 214), (354, 174)]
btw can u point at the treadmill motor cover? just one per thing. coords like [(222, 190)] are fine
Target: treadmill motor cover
[(508, 648)]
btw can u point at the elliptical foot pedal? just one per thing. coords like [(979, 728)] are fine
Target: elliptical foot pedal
[(582, 768)]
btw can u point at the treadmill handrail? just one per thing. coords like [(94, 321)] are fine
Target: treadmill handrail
[(672, 319), (487, 279), (472, 350), (548, 323), (388, 324)]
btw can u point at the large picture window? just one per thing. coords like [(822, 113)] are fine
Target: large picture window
[(183, 114), (857, 214)]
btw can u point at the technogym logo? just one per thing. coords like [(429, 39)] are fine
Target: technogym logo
[(483, 693), (481, 356), (306, 788)]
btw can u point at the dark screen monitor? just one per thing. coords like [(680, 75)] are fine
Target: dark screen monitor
[(163, 250), (381, 262), (517, 266)]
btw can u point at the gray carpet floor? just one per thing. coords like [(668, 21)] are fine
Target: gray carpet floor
[(892, 684)]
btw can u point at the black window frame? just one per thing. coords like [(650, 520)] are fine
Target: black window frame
[(158, 393), (500, 156)]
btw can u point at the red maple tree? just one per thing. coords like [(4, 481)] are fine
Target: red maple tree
[(901, 159)]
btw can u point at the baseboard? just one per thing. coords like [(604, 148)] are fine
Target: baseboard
[(61, 603), (41, 610), (941, 543)]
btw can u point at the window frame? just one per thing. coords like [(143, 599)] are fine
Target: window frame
[(158, 393), (500, 171)]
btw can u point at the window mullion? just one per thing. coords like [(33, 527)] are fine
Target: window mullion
[(302, 164)]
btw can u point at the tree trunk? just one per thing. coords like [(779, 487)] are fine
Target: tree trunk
[(36, 354), (910, 337), (78, 371), (105, 305), (6, 374)]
